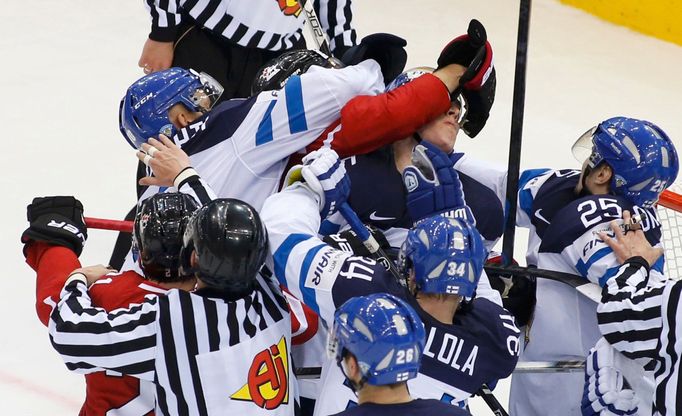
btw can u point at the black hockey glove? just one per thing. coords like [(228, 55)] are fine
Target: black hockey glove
[(477, 84), (56, 220), (388, 50), (517, 292)]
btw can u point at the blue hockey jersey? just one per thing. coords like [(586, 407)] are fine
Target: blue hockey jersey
[(481, 346)]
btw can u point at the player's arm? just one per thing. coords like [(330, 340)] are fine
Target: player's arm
[(52, 243), (89, 339), (321, 276), (285, 121), (630, 312), (368, 123)]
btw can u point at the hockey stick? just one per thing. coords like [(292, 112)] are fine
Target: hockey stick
[(104, 224), (489, 398), (588, 289), (315, 27), (515, 139), (565, 366), (368, 240)]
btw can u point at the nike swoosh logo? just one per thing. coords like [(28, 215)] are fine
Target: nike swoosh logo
[(374, 217), (537, 215)]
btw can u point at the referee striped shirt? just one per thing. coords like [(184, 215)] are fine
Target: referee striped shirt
[(206, 355), (265, 24), (642, 321)]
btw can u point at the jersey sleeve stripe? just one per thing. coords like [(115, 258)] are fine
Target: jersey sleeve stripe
[(264, 132), (281, 256), (309, 297), (295, 108), (607, 275), (525, 195), (584, 267)]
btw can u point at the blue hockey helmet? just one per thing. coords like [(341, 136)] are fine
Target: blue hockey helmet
[(143, 112), (446, 254), (643, 158), (408, 76), (384, 334)]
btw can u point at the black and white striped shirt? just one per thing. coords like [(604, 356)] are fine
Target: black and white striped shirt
[(265, 24), (206, 355), (642, 322)]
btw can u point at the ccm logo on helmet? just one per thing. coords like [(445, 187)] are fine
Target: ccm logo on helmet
[(143, 100)]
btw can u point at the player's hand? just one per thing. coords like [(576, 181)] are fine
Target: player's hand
[(477, 83), (156, 56), (433, 185), (94, 273), (325, 175), (56, 220), (632, 242), (605, 393), (165, 158)]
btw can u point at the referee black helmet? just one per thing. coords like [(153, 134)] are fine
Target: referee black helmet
[(230, 242), (157, 234)]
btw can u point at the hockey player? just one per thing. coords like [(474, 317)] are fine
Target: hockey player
[(366, 332), (53, 253), (223, 348), (628, 163), (241, 147), (468, 343), (640, 317)]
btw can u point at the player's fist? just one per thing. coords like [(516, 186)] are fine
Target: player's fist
[(433, 185), (477, 84), (56, 220), (388, 50)]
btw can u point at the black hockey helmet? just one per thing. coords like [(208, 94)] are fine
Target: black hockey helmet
[(276, 72), (157, 234), (230, 242)]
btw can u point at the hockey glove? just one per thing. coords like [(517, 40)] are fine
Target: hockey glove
[(605, 391), (56, 220), (477, 84), (433, 185), (388, 50), (325, 175)]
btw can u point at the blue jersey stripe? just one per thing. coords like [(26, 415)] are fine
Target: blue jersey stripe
[(264, 133), (295, 108), (309, 297), (609, 274), (281, 256), (583, 268)]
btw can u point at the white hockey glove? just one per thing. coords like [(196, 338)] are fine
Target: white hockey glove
[(325, 175), (605, 393)]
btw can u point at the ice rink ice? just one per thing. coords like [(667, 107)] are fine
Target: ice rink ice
[(65, 66)]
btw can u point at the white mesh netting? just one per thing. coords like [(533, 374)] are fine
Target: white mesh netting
[(671, 222)]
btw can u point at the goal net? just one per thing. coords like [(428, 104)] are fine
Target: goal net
[(670, 214)]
